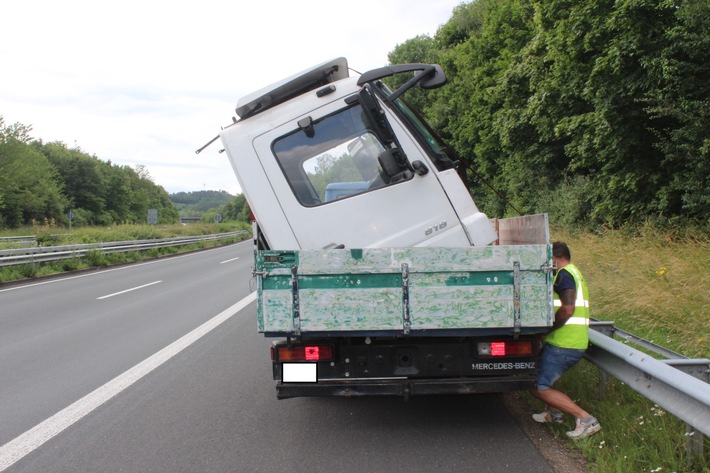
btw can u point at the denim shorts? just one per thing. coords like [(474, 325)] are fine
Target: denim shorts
[(554, 361)]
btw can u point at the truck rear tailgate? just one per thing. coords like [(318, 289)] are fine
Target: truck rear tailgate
[(405, 291)]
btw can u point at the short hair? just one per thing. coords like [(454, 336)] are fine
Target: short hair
[(561, 250)]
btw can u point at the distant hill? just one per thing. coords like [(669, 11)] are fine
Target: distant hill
[(194, 204)]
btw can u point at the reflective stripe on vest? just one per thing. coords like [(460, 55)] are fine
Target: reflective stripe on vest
[(577, 321), (577, 303), (574, 333)]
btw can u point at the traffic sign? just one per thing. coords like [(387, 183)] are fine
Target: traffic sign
[(152, 216)]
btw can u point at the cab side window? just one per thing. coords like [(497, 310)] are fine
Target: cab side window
[(334, 158)]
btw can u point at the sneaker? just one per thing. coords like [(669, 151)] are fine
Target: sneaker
[(585, 429), (547, 416)]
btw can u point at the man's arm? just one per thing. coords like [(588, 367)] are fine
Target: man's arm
[(566, 310)]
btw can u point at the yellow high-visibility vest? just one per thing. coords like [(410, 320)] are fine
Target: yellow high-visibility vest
[(574, 333)]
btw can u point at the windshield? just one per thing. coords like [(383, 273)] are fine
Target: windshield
[(426, 136)]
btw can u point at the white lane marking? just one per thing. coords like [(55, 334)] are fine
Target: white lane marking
[(16, 449), (122, 268), (229, 260), (128, 290)]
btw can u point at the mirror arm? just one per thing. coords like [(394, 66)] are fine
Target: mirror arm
[(410, 83)]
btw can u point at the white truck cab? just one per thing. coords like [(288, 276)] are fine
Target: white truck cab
[(326, 160)]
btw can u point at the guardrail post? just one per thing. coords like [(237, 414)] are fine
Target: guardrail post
[(695, 440), (693, 444), (604, 380), (606, 328)]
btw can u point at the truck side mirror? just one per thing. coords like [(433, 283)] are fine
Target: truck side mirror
[(430, 76), (433, 79), (420, 168), (394, 165)]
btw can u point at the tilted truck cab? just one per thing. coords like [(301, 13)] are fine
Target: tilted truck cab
[(375, 270)]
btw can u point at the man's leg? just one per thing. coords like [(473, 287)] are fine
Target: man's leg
[(559, 400)]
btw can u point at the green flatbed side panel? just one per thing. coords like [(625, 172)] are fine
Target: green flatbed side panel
[(274, 311), (448, 288), (461, 307), (351, 309), (456, 300), (377, 260)]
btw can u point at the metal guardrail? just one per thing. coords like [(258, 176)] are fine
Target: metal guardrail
[(18, 238), (677, 384), (53, 253), (25, 240)]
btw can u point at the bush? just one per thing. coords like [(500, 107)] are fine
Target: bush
[(27, 270), (71, 264), (570, 204), (145, 232), (95, 258), (46, 239)]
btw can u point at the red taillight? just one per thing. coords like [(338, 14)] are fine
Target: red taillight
[(305, 353), (498, 349), (312, 353), (506, 348)]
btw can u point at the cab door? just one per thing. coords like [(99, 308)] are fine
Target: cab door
[(334, 176)]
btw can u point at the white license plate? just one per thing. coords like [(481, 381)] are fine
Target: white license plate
[(299, 372)]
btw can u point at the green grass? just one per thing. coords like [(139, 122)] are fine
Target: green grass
[(94, 259), (651, 283), (654, 284)]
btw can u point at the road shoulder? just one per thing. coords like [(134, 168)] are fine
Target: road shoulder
[(556, 451)]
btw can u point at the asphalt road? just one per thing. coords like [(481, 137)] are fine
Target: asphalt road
[(114, 371)]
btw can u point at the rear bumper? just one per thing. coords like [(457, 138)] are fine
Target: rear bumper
[(404, 387)]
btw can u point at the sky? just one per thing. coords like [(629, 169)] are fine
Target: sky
[(149, 82)]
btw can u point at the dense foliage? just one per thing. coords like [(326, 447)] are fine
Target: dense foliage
[(40, 183), (194, 204), (237, 209), (596, 112)]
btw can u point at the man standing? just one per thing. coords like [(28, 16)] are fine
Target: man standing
[(565, 345)]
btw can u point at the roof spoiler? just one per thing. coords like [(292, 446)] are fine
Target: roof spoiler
[(286, 89)]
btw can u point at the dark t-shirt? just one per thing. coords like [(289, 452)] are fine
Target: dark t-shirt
[(564, 281)]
